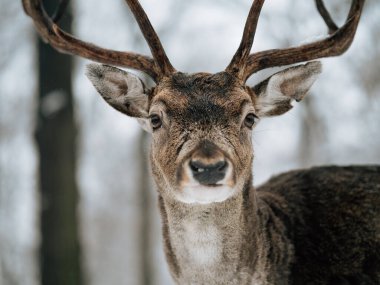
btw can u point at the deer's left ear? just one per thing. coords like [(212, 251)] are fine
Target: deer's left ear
[(274, 95), (122, 90)]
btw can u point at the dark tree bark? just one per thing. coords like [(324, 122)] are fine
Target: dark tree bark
[(56, 135), (146, 266)]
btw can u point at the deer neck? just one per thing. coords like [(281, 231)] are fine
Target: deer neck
[(221, 242)]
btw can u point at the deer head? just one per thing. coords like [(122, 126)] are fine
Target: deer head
[(201, 123)]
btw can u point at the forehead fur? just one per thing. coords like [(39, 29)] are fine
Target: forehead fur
[(200, 83), (209, 98)]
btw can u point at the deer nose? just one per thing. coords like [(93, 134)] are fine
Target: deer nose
[(208, 173)]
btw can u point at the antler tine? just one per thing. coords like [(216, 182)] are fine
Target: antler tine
[(151, 38), (66, 43), (238, 62), (334, 45), (326, 16)]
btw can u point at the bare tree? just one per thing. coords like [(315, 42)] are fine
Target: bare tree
[(56, 135)]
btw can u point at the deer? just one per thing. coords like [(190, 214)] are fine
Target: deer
[(310, 226)]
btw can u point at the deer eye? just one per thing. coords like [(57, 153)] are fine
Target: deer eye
[(155, 121), (250, 120)]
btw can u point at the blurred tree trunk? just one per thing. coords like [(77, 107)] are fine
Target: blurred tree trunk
[(313, 136), (55, 135), (146, 266)]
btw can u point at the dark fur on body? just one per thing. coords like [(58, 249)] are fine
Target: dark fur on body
[(316, 226), (332, 219)]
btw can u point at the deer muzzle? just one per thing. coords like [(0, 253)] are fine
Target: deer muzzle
[(207, 175), (208, 171)]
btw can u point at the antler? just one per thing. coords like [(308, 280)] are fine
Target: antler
[(238, 62), (338, 41), (46, 26)]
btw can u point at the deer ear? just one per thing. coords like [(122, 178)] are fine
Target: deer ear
[(122, 90), (274, 95)]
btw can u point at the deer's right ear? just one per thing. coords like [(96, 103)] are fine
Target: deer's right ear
[(122, 90), (274, 95)]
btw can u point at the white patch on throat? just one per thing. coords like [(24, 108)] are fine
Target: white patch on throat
[(202, 243), (205, 195)]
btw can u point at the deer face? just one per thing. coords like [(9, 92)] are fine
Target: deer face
[(202, 146), (201, 124)]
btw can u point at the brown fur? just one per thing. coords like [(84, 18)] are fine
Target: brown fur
[(308, 227), (317, 226), (331, 216)]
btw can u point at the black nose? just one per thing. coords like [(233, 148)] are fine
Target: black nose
[(208, 174)]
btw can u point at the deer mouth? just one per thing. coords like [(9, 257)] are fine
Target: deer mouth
[(205, 194)]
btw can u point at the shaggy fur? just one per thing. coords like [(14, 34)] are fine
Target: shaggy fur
[(331, 218), (319, 226), (316, 226)]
